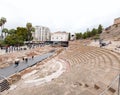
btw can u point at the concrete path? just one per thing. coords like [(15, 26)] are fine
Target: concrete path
[(6, 72)]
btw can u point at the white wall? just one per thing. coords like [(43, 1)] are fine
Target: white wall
[(59, 36)]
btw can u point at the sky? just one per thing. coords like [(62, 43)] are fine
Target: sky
[(60, 15)]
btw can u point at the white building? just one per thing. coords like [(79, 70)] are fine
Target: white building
[(41, 33), (59, 36)]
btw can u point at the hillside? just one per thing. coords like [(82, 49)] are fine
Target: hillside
[(112, 32)]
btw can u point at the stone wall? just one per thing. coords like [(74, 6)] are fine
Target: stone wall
[(14, 78)]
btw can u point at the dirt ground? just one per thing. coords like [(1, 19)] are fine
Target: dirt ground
[(78, 68), (7, 59)]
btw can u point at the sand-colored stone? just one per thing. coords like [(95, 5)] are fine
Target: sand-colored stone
[(83, 65)]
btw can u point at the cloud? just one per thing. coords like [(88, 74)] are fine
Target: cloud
[(68, 15)]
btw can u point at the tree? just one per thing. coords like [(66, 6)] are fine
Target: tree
[(5, 30), (78, 35), (94, 32), (2, 21), (29, 29), (2, 43), (69, 36), (84, 36), (21, 31), (16, 37), (100, 28), (11, 31), (88, 34), (13, 39), (1, 26)]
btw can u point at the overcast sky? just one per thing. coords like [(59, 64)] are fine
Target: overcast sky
[(60, 15)]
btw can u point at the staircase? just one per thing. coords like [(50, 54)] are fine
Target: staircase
[(4, 85)]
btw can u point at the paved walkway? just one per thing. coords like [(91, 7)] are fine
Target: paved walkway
[(6, 72)]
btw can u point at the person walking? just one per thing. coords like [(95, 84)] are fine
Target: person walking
[(32, 56), (16, 62)]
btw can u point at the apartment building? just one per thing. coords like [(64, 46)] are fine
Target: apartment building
[(41, 33)]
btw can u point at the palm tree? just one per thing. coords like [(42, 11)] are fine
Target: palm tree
[(5, 30), (11, 31), (1, 26), (30, 29), (3, 21), (0, 23)]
